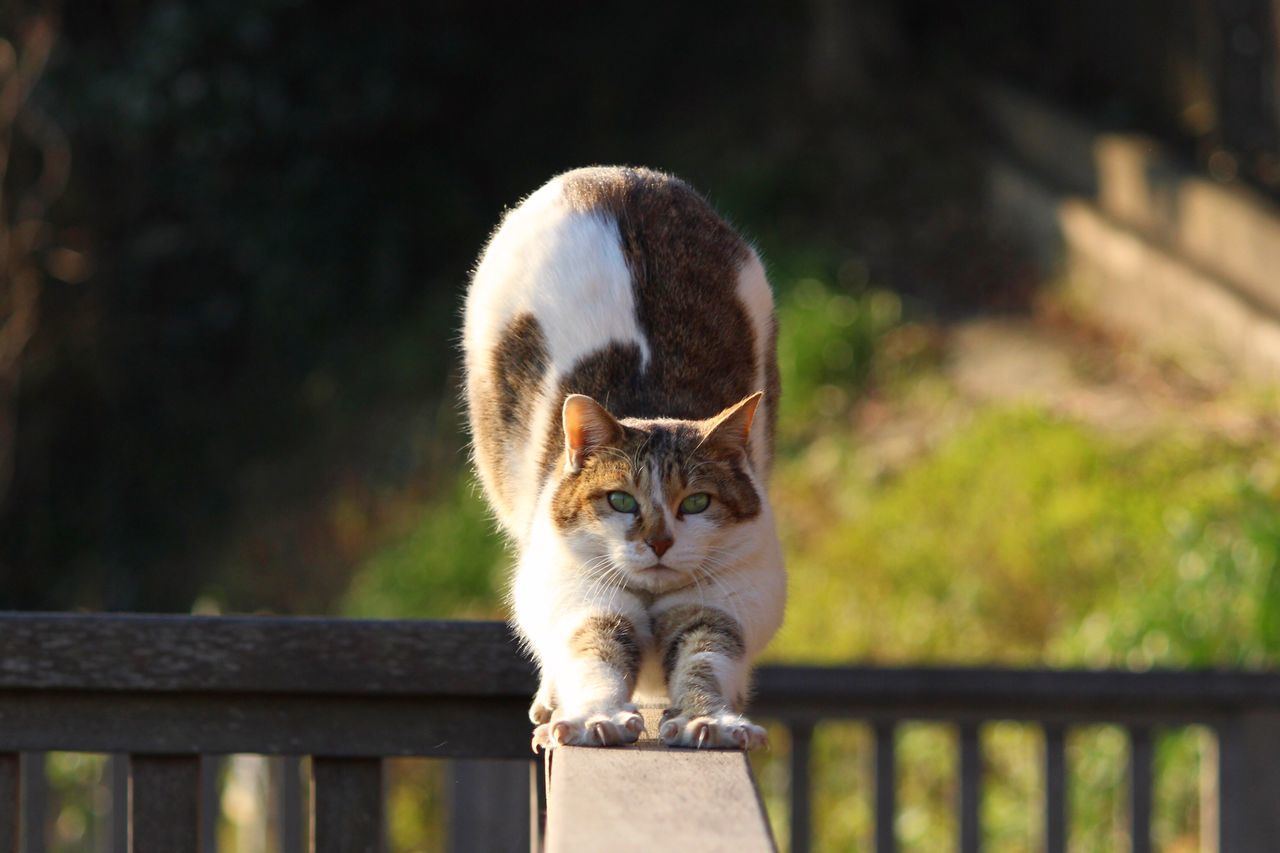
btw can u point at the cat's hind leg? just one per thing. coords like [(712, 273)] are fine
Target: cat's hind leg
[(704, 659), (594, 678)]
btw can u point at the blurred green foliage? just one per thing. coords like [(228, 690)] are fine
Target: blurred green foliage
[(451, 564), (1035, 540), (81, 809), (826, 365)]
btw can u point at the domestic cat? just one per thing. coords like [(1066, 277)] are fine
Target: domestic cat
[(622, 388)]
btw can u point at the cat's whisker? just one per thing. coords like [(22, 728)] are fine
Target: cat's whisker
[(616, 588), (702, 595), (715, 568), (728, 571), (601, 576), (717, 559), (613, 452), (728, 597), (597, 571), (691, 470)]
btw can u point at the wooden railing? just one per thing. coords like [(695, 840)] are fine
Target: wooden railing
[(1243, 709), (165, 694), (167, 690)]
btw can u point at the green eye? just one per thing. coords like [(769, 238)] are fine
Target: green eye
[(695, 503), (623, 502)]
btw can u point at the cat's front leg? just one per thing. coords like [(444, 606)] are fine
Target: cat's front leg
[(594, 676), (704, 659), (543, 702)]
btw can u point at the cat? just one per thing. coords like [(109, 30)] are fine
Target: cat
[(622, 389)]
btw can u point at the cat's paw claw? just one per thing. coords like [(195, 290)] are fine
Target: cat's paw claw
[(616, 729), (564, 733), (541, 738), (715, 731), (604, 733)]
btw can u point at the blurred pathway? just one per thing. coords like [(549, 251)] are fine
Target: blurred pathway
[(1082, 374)]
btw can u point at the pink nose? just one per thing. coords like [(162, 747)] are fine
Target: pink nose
[(661, 544)]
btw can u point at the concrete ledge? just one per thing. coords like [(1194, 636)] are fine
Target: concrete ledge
[(648, 797)]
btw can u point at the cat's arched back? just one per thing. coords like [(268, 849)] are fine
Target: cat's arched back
[(621, 284)]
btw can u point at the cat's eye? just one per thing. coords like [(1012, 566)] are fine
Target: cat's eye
[(695, 503), (623, 502)]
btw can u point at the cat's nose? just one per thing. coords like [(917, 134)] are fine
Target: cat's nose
[(660, 544)]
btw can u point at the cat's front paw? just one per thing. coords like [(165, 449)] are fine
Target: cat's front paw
[(721, 730), (611, 729), (539, 713)]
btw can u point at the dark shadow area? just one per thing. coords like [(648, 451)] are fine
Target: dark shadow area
[(275, 210)]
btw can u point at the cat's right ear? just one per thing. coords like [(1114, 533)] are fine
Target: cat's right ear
[(588, 426)]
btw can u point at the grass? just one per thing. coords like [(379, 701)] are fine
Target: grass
[(1024, 538)]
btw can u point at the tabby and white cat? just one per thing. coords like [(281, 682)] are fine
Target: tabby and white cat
[(622, 385)]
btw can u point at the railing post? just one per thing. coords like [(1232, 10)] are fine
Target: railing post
[(970, 788), (1249, 782), (537, 802), (801, 787), (346, 805), (285, 773), (9, 802), (886, 788), (211, 804), (165, 797), (35, 796), (118, 768), (1140, 789), (1055, 788), (487, 806)]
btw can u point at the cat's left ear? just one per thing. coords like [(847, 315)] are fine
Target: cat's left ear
[(588, 426), (730, 430)]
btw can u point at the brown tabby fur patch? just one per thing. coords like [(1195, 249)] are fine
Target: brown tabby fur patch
[(520, 360), (696, 691), (684, 262), (681, 466), (690, 629), (773, 388), (611, 639)]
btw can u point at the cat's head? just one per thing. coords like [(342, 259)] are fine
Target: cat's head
[(660, 503)]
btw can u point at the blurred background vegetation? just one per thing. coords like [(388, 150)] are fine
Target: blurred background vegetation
[(228, 372)]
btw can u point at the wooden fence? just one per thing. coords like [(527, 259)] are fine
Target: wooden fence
[(1243, 709), (168, 690), (167, 694)]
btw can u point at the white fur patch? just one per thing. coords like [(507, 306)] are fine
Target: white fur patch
[(566, 268), (753, 290)]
